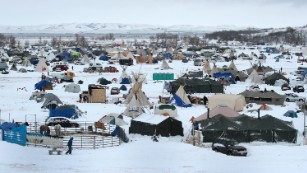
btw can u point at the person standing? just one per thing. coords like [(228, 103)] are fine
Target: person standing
[(69, 144)]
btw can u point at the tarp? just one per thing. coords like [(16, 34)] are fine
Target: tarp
[(195, 85), (64, 111), (41, 84)]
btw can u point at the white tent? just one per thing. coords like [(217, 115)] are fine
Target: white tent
[(232, 66), (42, 66), (254, 78), (165, 65), (73, 88), (235, 102)]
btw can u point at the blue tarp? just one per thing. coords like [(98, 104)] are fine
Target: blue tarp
[(14, 133), (120, 133), (8, 126), (68, 59), (41, 84), (223, 75), (179, 101), (67, 112), (291, 114)]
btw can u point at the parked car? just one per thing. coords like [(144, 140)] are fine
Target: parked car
[(285, 87), (115, 90), (229, 147), (59, 68), (298, 88), (254, 88), (63, 121), (79, 63), (291, 97)]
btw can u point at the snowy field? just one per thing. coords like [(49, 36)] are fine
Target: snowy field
[(141, 154)]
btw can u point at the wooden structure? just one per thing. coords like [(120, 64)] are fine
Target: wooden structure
[(95, 94)]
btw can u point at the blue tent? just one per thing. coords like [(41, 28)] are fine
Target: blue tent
[(123, 88), (104, 58), (125, 81), (168, 56), (291, 114)]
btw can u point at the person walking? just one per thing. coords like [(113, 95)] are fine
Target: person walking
[(69, 144)]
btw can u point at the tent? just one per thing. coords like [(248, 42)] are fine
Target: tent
[(220, 109), (68, 111), (22, 70), (51, 101), (43, 85), (104, 58), (263, 97), (235, 102), (181, 98), (166, 110), (85, 59), (150, 124), (73, 88), (124, 78), (103, 81), (112, 118), (291, 114), (270, 80), (42, 66), (247, 129), (13, 67), (164, 65), (136, 99), (232, 66), (123, 88), (3, 66), (195, 85), (254, 78)]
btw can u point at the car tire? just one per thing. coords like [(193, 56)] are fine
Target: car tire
[(300, 100), (229, 153), (287, 100)]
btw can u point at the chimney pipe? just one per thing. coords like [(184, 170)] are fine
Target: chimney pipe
[(208, 111), (259, 113)]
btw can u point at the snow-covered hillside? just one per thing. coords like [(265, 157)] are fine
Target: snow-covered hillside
[(110, 28)]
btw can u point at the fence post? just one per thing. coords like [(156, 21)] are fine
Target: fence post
[(81, 141), (94, 142), (102, 142)]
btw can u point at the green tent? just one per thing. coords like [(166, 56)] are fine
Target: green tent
[(247, 129), (195, 85)]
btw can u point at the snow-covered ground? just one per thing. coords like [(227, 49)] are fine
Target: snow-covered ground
[(141, 154)]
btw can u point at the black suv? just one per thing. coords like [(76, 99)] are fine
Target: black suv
[(229, 147), (298, 88)]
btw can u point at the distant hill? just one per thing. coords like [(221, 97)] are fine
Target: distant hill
[(111, 28)]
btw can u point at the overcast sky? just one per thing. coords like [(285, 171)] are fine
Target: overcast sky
[(254, 13)]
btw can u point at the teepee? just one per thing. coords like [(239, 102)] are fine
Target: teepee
[(26, 62), (124, 78), (165, 65), (207, 67), (254, 78), (232, 66), (136, 100), (181, 98), (85, 59), (42, 66)]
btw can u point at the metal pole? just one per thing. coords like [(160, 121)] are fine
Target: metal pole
[(0, 117)]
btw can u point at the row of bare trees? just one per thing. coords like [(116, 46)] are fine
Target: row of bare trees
[(288, 36)]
